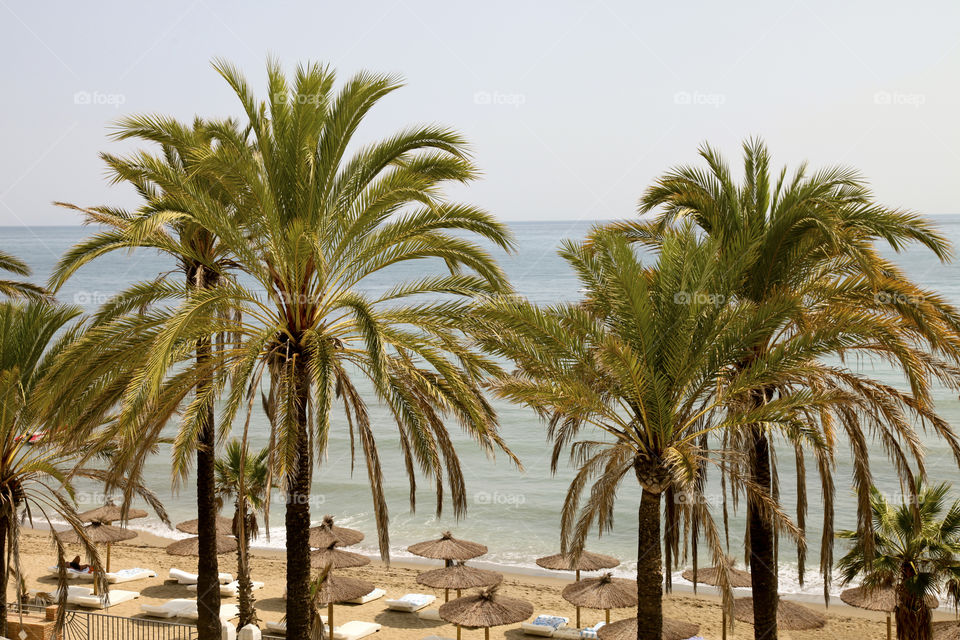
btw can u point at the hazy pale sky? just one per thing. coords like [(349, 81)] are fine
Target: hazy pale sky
[(572, 108)]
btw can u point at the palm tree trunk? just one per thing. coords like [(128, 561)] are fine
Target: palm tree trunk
[(763, 566), (3, 576), (649, 569), (208, 582), (248, 614), (914, 621), (297, 519)]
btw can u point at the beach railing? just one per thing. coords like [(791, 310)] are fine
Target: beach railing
[(87, 625)]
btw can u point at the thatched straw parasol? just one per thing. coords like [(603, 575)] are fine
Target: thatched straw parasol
[(110, 513), (605, 592), (447, 548), (790, 616), (335, 589), (191, 546), (627, 630), (458, 576), (224, 527), (946, 630), (485, 609), (588, 562), (739, 579), (100, 533), (325, 534), (336, 558), (879, 599), (711, 576)]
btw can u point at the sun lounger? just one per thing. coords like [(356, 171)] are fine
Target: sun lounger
[(544, 625), (281, 627), (169, 609), (573, 634), (231, 588), (370, 597), (227, 612), (114, 577), (354, 630), (410, 602), (84, 596), (184, 577)]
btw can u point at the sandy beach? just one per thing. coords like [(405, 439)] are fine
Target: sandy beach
[(399, 578)]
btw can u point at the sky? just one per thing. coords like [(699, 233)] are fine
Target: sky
[(571, 108)]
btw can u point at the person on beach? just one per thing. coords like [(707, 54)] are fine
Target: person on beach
[(76, 566)]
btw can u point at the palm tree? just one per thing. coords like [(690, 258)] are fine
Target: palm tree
[(809, 238), (634, 379), (16, 288), (36, 480), (164, 223), (244, 478), (316, 228), (916, 550)]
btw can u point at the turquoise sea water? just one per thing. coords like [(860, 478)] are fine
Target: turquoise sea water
[(515, 513)]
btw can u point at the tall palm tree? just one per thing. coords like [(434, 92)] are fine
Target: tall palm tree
[(17, 288), (36, 480), (317, 229), (810, 238), (634, 379), (244, 478), (916, 550), (164, 223)]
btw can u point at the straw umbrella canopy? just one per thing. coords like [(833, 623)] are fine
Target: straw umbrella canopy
[(605, 592), (191, 546), (447, 548), (336, 558), (224, 527), (110, 513), (485, 609), (335, 589), (100, 533), (739, 579), (627, 630), (458, 576), (711, 576), (790, 616), (326, 533), (879, 599), (588, 562)]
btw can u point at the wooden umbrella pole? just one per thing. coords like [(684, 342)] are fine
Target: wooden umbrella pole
[(330, 618), (724, 622), (458, 632), (889, 627), (486, 633), (108, 557), (608, 615), (578, 616)]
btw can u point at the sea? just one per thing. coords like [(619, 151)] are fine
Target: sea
[(515, 512)]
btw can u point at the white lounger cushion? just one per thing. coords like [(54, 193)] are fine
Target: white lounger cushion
[(429, 614), (373, 595), (84, 597), (114, 577), (410, 602), (227, 611), (544, 625), (281, 627), (231, 588), (184, 577), (169, 609), (354, 630)]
